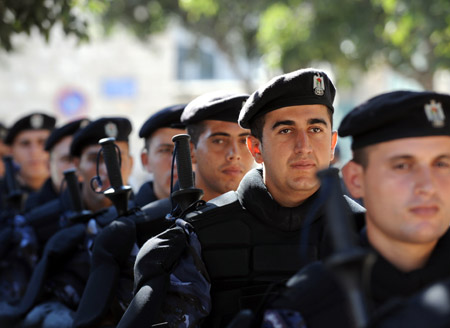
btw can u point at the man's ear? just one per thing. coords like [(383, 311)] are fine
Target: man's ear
[(353, 176), (192, 148), (145, 160), (48, 162), (254, 146), (76, 163), (131, 163), (334, 139)]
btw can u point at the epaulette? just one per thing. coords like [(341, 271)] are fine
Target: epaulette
[(222, 201), (152, 220), (354, 206), (158, 208)]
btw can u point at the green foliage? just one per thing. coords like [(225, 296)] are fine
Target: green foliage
[(25, 15), (198, 8), (142, 17), (415, 36), (412, 36)]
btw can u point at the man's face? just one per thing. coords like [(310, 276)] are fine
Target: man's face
[(28, 151), (60, 160), (158, 160), (297, 142), (4, 150), (87, 169), (406, 188), (221, 157)]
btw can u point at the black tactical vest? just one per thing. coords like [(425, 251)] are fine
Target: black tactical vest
[(244, 255)]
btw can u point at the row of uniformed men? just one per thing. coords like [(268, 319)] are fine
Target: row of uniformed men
[(225, 255)]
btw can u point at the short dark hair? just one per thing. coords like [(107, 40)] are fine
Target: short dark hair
[(147, 143), (361, 157), (257, 124), (256, 127), (195, 130)]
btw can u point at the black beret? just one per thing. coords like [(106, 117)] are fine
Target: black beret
[(395, 115), (3, 132), (106, 127), (64, 131), (218, 106), (168, 117), (303, 87), (34, 121)]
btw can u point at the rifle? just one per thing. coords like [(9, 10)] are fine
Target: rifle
[(15, 197), (77, 213), (117, 193), (349, 262), (150, 291), (187, 196)]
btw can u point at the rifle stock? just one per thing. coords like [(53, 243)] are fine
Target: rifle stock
[(349, 261), (187, 195), (15, 197), (117, 193)]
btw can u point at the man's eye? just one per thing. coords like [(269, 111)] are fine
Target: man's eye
[(218, 141), (285, 131), (93, 159), (316, 130), (402, 166), (165, 151), (443, 164), (25, 143), (66, 159)]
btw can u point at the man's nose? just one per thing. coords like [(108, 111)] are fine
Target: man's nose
[(302, 143)]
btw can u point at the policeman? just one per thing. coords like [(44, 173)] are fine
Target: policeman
[(27, 139), (218, 153), (58, 146), (222, 159), (4, 149), (85, 148), (64, 267), (30, 232), (250, 238), (156, 157), (218, 144), (401, 169)]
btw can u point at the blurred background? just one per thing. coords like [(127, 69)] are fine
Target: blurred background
[(92, 58)]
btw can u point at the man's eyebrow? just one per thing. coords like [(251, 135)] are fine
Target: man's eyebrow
[(216, 134), (279, 123), (290, 122), (410, 157), (399, 157), (165, 145), (244, 134), (317, 121)]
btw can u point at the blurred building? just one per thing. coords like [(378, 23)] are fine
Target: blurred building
[(121, 75), (115, 76)]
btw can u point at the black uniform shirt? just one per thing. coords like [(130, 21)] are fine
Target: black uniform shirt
[(320, 300), (145, 194), (42, 196)]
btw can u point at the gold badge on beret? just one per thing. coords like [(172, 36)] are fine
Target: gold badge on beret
[(111, 130), (435, 114), (84, 123), (3, 133), (37, 121), (318, 84)]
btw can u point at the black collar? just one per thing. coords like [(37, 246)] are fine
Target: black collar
[(254, 197)]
